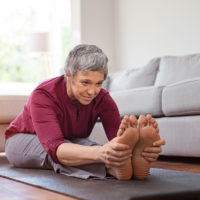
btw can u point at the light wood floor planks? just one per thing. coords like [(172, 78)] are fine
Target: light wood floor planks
[(13, 190), (178, 163)]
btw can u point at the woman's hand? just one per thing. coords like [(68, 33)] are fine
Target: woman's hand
[(114, 154), (151, 154)]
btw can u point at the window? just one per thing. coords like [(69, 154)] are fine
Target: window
[(34, 39)]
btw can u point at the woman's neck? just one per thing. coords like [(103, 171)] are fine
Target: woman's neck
[(70, 92)]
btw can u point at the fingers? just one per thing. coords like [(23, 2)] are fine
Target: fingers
[(117, 162), (150, 156), (116, 154), (150, 159), (152, 150), (117, 146), (159, 143)]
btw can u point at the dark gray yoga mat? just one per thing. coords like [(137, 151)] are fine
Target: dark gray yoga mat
[(161, 184)]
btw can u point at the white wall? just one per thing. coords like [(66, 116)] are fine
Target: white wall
[(150, 28), (75, 23), (131, 32), (97, 26)]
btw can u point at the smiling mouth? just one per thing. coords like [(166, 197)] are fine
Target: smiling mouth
[(88, 98)]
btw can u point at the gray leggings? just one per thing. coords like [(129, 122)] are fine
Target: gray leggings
[(25, 151)]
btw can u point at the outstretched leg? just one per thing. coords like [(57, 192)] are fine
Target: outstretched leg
[(128, 134), (148, 133)]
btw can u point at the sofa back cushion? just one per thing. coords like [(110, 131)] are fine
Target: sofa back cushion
[(137, 101), (177, 68), (134, 78)]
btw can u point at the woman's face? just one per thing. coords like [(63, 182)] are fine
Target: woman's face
[(84, 86)]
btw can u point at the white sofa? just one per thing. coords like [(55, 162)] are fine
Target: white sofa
[(169, 89)]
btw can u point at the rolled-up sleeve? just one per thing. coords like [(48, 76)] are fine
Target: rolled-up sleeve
[(44, 112)]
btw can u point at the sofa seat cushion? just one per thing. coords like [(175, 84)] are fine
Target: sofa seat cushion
[(181, 135), (182, 98), (139, 101), (177, 68)]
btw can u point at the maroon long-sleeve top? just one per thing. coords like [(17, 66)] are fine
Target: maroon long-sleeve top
[(53, 116)]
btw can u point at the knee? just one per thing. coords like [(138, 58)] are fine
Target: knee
[(12, 153)]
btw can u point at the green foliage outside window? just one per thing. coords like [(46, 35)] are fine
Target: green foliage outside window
[(12, 63), (16, 65)]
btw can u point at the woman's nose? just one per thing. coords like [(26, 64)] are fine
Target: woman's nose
[(92, 90)]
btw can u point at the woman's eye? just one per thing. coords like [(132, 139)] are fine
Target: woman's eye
[(99, 84), (85, 83)]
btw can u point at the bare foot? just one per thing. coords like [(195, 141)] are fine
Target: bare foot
[(148, 133), (128, 134)]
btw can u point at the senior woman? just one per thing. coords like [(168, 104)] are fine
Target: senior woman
[(52, 130)]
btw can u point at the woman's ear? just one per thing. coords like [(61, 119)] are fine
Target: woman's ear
[(67, 75)]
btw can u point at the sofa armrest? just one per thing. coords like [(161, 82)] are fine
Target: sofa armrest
[(2, 136), (10, 107)]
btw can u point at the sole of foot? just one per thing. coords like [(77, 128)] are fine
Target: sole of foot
[(129, 134), (148, 133)]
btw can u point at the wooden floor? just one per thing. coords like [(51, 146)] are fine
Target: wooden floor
[(178, 163), (13, 190)]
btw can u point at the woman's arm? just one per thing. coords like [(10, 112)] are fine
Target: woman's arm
[(112, 154), (44, 113)]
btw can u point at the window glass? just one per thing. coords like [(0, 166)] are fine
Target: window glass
[(34, 39)]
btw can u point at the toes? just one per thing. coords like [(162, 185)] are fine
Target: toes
[(142, 121), (148, 120), (153, 123), (120, 132), (157, 130), (149, 117), (125, 123), (125, 117), (133, 121), (122, 125), (152, 120)]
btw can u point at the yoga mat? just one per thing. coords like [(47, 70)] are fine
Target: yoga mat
[(161, 184)]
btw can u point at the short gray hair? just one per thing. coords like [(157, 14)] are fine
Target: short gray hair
[(86, 58)]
